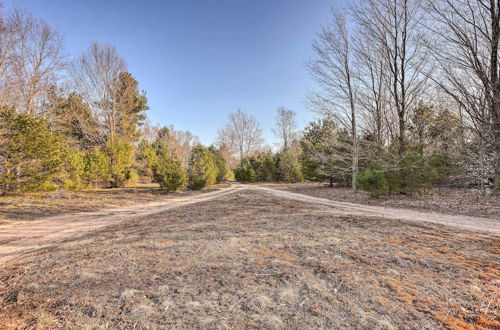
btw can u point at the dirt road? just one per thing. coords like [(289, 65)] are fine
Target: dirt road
[(19, 237), (458, 221)]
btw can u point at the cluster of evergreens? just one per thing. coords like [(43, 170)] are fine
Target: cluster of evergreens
[(269, 167), (92, 132)]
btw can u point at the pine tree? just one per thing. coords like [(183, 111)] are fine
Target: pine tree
[(30, 154)]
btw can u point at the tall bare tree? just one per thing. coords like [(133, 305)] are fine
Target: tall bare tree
[(332, 67), (396, 25), (94, 75), (467, 51), (242, 134), (31, 60), (286, 127), (373, 94)]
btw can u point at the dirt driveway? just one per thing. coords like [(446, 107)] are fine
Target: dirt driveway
[(19, 237), (22, 236)]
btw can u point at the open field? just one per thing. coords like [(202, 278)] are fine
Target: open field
[(42, 204), (444, 200), (251, 259)]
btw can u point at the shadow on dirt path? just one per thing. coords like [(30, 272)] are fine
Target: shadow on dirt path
[(19, 237)]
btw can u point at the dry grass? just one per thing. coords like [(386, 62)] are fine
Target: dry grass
[(444, 200), (249, 260), (30, 206)]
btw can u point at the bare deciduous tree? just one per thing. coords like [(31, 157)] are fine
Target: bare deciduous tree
[(467, 51), (180, 143), (242, 134), (396, 27), (31, 59), (286, 127), (332, 68), (94, 75)]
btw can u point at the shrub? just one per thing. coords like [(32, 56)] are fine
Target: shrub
[(289, 168), (96, 168), (373, 181), (168, 171), (74, 170), (131, 177), (31, 154), (120, 160), (245, 171), (265, 167), (147, 159), (202, 170), (220, 163)]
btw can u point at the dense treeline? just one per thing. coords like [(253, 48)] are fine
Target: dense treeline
[(408, 97), (91, 133), (412, 90)]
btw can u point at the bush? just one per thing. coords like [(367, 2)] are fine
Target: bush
[(96, 168), (147, 159), (120, 160), (31, 154), (289, 169), (220, 163), (202, 170), (245, 171), (373, 181), (168, 171), (131, 177), (74, 170), (265, 167)]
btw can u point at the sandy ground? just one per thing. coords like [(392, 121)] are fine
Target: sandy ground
[(22, 236), (253, 259)]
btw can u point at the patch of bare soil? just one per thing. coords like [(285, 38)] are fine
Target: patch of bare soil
[(253, 260), (31, 206), (445, 200)]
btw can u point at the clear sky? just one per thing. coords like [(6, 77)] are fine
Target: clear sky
[(199, 60)]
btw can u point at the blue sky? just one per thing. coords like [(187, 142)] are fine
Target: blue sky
[(199, 60)]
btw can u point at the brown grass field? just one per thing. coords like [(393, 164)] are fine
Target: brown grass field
[(253, 260)]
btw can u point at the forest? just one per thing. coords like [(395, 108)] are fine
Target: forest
[(407, 98)]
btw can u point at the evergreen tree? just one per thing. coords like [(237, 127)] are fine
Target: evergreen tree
[(202, 170), (30, 154), (168, 171)]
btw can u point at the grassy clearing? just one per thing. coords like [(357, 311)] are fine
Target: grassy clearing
[(36, 205), (249, 260), (443, 200)]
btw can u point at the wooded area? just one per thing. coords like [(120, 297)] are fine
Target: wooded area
[(408, 99)]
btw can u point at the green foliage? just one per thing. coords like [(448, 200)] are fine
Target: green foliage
[(412, 173), (147, 159), (96, 168), (75, 169), (223, 170), (245, 171), (202, 169), (120, 161), (168, 171), (30, 154), (270, 168), (266, 167), (289, 168), (373, 180), (131, 105), (316, 137)]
